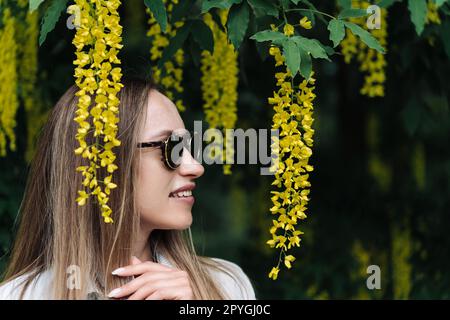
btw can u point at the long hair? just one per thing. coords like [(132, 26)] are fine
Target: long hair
[(53, 232)]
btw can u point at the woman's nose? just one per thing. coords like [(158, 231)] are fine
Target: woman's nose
[(190, 166)]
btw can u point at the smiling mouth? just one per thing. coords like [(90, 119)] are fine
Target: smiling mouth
[(181, 194), (184, 197)]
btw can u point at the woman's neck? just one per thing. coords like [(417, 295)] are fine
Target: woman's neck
[(142, 249)]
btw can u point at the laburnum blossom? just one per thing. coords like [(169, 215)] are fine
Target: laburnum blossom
[(305, 23), (371, 62), (170, 76), (219, 85), (293, 117), (27, 33), (432, 13), (9, 102), (97, 75)]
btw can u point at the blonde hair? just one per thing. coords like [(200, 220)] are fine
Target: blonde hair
[(54, 232)]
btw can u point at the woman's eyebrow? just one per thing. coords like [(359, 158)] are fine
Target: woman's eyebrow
[(161, 134), (165, 133)]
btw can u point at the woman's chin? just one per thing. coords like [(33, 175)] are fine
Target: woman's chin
[(181, 221), (170, 220)]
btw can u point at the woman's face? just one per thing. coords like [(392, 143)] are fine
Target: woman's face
[(159, 207)]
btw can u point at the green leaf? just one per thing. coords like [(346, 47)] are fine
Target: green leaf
[(387, 3), (345, 4), (337, 31), (412, 115), (195, 52), (202, 34), (445, 10), (159, 11), (418, 10), (181, 10), (291, 53), (352, 13), (221, 4), (365, 36), (305, 64), (50, 18), (445, 35), (237, 23), (265, 5), (34, 4), (295, 1), (175, 43), (440, 2), (329, 50), (268, 35), (285, 4), (312, 46)]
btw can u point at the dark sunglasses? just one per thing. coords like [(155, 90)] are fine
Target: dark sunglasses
[(173, 147)]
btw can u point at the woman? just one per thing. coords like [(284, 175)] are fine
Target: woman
[(66, 251)]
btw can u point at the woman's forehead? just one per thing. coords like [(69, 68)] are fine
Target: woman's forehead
[(162, 117)]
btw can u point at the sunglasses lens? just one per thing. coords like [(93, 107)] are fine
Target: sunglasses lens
[(177, 144), (195, 146), (174, 151)]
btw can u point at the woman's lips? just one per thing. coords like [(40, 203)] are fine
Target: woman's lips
[(188, 200)]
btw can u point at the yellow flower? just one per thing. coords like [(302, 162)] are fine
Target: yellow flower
[(97, 42), (371, 62), (219, 84), (305, 23), (288, 260), (274, 273), (8, 78), (288, 29), (26, 35), (171, 74), (293, 106), (432, 13), (83, 196)]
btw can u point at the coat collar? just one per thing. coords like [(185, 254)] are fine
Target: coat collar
[(160, 258)]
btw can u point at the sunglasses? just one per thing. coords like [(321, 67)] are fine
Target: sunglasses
[(173, 147)]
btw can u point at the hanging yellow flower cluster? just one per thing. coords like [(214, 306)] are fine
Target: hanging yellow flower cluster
[(402, 248), (432, 13), (27, 37), (294, 117), (170, 77), (219, 84), (27, 72), (98, 41), (8, 80), (371, 62)]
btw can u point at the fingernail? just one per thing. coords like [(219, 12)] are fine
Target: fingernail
[(118, 271), (115, 292)]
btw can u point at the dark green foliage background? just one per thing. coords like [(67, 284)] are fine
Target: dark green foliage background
[(231, 215)]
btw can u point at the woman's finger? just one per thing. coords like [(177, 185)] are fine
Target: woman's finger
[(171, 293), (141, 268), (168, 289), (142, 280)]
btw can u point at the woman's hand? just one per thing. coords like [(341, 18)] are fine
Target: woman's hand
[(155, 282)]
